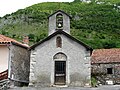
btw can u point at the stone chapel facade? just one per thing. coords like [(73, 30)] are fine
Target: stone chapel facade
[(60, 59)]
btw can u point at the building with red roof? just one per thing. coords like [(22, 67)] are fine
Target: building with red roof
[(106, 65), (5, 42), (14, 59)]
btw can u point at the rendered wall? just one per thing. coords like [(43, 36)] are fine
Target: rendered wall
[(78, 67), (4, 56)]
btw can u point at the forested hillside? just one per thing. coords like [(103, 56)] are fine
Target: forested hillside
[(96, 23)]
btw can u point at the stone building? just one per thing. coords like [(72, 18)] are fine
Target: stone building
[(60, 59), (19, 64), (106, 65), (14, 60)]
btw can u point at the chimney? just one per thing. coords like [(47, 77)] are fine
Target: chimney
[(26, 40)]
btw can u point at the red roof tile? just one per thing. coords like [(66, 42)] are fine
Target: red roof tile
[(6, 40), (105, 56)]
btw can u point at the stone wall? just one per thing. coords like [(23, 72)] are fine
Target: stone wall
[(101, 73), (19, 65), (78, 67)]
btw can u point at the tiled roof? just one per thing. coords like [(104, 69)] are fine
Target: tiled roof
[(105, 56), (6, 40)]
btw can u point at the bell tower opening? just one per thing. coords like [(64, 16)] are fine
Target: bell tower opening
[(59, 21)]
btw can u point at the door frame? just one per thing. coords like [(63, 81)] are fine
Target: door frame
[(67, 78)]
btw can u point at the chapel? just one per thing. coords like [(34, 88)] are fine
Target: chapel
[(60, 59)]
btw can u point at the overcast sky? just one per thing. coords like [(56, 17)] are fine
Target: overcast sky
[(9, 6)]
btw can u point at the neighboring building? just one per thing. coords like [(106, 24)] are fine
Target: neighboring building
[(60, 59), (14, 59), (106, 65), (4, 52)]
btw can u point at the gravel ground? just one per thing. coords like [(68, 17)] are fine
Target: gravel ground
[(106, 87)]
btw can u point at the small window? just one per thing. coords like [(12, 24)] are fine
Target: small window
[(109, 71), (59, 42)]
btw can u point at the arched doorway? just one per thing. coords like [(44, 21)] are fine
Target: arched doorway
[(60, 69)]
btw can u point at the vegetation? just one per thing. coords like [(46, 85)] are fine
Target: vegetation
[(96, 23), (93, 81)]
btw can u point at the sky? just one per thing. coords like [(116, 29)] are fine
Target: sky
[(9, 6)]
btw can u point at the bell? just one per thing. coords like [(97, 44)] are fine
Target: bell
[(59, 25)]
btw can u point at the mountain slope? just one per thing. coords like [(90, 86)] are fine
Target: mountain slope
[(96, 24)]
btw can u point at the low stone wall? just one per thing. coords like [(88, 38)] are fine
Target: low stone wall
[(101, 73)]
